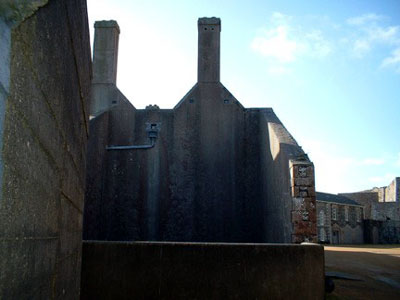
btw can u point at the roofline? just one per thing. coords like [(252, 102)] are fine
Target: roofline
[(340, 203)]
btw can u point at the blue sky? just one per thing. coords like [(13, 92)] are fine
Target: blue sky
[(329, 69)]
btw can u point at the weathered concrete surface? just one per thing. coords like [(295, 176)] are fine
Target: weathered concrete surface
[(44, 138), (219, 172), (201, 271)]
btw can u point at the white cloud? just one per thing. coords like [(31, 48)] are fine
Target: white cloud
[(372, 162), (317, 44), (275, 43), (337, 171), (382, 180), (332, 169), (393, 60), (389, 34), (279, 70), (278, 18), (366, 18), (361, 47), (285, 43), (397, 162), (369, 32)]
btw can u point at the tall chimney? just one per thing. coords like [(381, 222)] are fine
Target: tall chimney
[(209, 53), (105, 53)]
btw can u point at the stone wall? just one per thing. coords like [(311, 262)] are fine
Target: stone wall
[(366, 199), (304, 218), (340, 230), (374, 208), (382, 232), (324, 222), (45, 85), (392, 192), (201, 271), (383, 211)]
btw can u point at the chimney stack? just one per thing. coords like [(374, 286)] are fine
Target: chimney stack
[(105, 52), (209, 49)]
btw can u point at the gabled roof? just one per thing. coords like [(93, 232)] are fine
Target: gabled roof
[(335, 199)]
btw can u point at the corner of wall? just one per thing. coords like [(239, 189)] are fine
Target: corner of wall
[(296, 185), (304, 218)]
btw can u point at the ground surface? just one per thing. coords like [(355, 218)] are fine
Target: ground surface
[(372, 271)]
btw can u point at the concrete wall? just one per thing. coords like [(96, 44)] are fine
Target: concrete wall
[(210, 176), (218, 171), (44, 131), (201, 271)]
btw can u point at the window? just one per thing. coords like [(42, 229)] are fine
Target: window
[(321, 218), (334, 213), (346, 213), (359, 212), (322, 236)]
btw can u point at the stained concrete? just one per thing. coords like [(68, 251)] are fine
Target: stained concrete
[(201, 271), (44, 138), (219, 172)]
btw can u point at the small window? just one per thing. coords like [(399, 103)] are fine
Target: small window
[(322, 236), (334, 213), (226, 101), (359, 212), (321, 218), (346, 213)]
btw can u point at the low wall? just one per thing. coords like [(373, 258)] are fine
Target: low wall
[(149, 270)]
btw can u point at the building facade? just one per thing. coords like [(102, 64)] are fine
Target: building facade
[(339, 219), (208, 170), (371, 216), (382, 212)]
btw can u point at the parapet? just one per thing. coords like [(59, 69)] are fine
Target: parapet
[(209, 21), (107, 24)]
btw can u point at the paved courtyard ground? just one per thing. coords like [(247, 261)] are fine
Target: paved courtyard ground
[(364, 272)]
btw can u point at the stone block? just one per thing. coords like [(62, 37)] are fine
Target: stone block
[(307, 181), (303, 191)]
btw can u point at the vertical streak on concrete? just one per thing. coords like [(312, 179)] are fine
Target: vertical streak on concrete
[(5, 46), (209, 49), (153, 193)]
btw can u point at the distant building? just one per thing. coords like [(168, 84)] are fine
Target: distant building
[(371, 216), (382, 212), (339, 219)]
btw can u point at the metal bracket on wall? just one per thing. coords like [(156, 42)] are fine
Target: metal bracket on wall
[(152, 130)]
